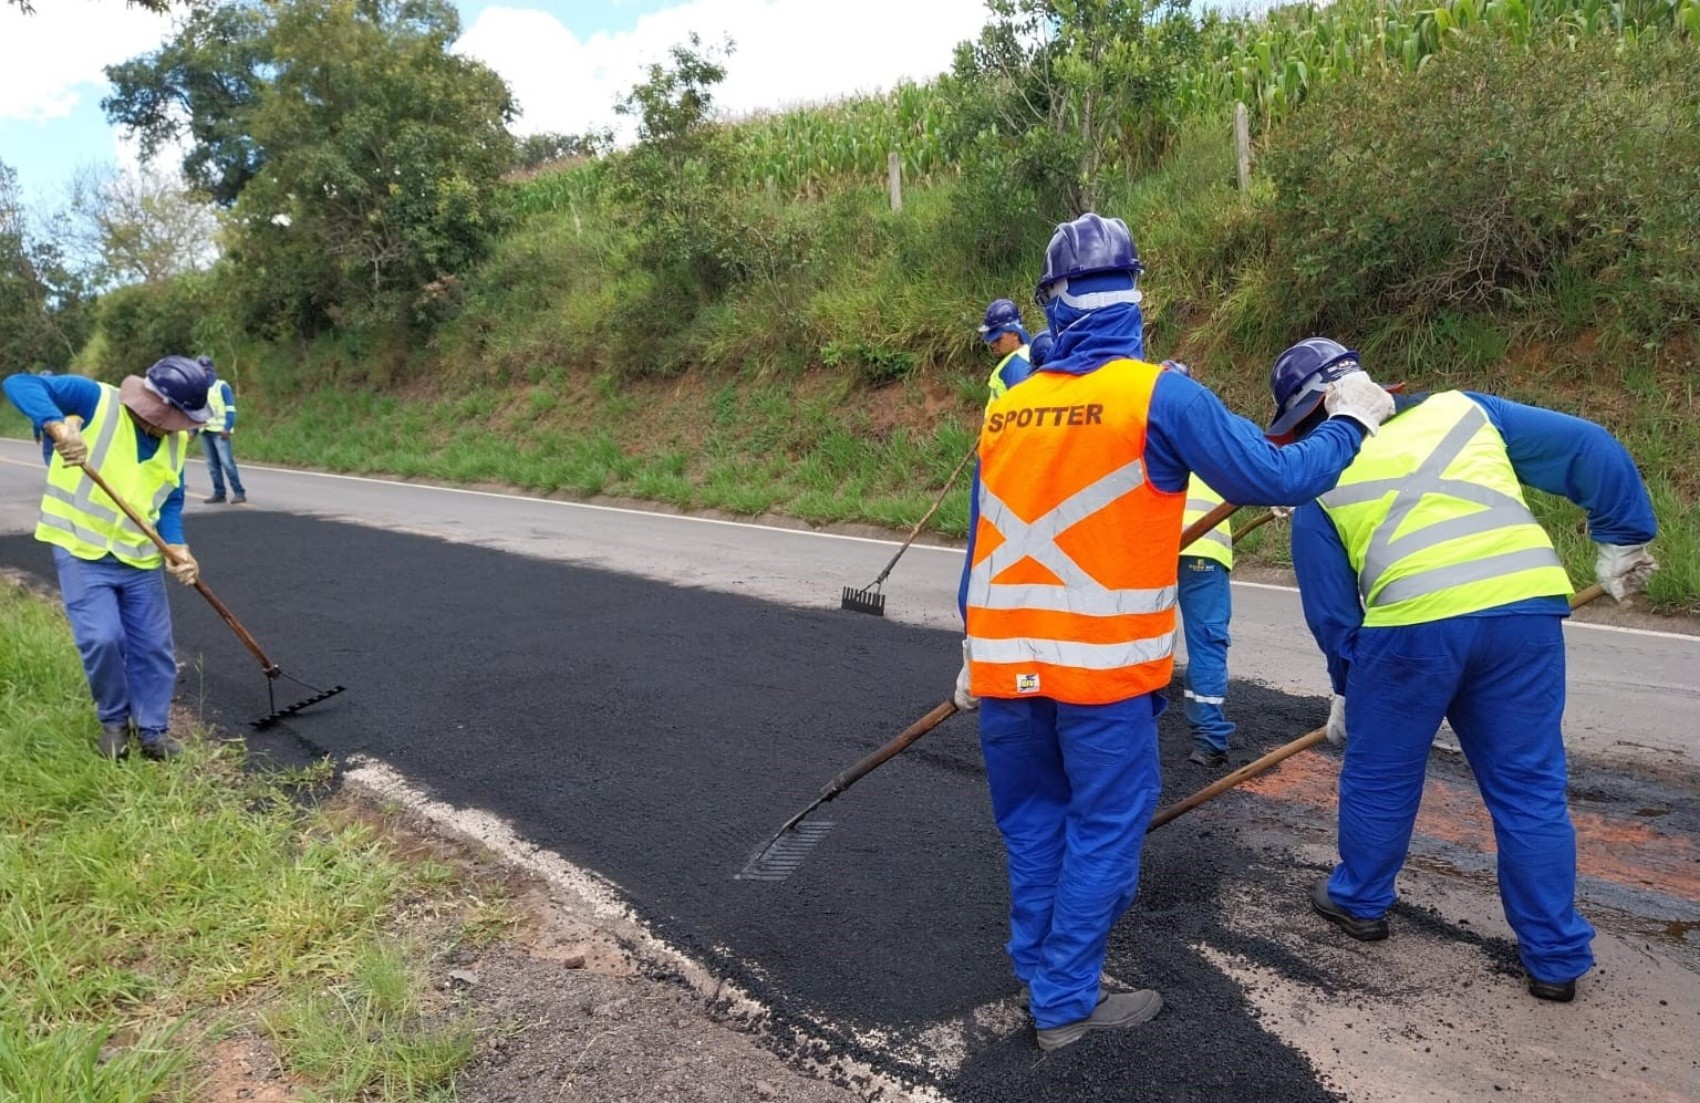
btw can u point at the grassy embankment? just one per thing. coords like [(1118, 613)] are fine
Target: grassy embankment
[(151, 911)]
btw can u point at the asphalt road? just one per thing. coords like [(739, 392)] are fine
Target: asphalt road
[(646, 696)]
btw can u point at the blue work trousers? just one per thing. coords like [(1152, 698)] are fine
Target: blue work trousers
[(221, 459), (1073, 788), (1207, 605), (1499, 680), (122, 624)]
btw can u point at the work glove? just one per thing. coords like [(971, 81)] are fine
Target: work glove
[(68, 439), (1357, 396), (182, 565), (1281, 513), (1337, 720), (1623, 569), (963, 696)]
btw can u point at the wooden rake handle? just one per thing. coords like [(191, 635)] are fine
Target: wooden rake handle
[(927, 516), (1287, 750), (219, 607)]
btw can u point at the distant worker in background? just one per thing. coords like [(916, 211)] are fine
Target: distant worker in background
[(1207, 606), (137, 436), (1039, 349), (1069, 599), (1435, 594), (215, 436), (1004, 334)]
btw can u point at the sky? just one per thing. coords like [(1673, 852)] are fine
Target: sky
[(567, 61)]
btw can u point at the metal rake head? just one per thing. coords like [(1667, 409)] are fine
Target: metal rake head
[(780, 858), (869, 601), (277, 714)]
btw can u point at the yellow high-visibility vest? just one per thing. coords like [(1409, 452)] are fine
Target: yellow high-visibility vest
[(217, 408), (1434, 521), (1218, 543), (996, 384), (78, 516)]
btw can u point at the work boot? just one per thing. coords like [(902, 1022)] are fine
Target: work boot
[(1209, 759), (1364, 930), (239, 500), (214, 500), (1122, 1009), (114, 741), (1556, 992), (161, 747)]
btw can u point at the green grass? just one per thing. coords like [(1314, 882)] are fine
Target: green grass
[(147, 905)]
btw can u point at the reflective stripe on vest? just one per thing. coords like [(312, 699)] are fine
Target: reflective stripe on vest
[(78, 516), (1218, 543), (1434, 522), (1069, 593), (996, 384)]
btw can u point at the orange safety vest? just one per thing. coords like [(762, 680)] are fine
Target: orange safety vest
[(1071, 594)]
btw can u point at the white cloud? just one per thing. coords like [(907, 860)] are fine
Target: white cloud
[(787, 52), (50, 60)]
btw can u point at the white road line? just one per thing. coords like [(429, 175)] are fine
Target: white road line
[(890, 543)]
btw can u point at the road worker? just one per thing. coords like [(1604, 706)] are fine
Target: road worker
[(1069, 601), (137, 436), (1039, 349), (1434, 593), (1206, 605), (1006, 336), (216, 434)]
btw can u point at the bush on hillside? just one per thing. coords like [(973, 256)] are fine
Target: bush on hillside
[(1495, 173), (142, 322)]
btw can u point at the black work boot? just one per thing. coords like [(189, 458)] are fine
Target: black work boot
[(239, 500), (1557, 992), (1114, 1012), (214, 500), (114, 741), (1209, 759), (161, 747), (1364, 930)]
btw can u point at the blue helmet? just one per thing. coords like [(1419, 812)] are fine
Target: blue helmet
[(1301, 375), (1002, 316), (182, 383), (1177, 367), (212, 372), (1090, 245), (1039, 349)]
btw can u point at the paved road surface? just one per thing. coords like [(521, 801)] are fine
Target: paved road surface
[(644, 695)]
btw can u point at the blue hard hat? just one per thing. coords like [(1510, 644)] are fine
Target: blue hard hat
[(212, 372), (1039, 350), (1177, 367), (1002, 316), (183, 383), (1089, 245), (1301, 375)]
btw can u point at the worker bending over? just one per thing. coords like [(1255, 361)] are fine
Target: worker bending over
[(1069, 599), (137, 436), (1434, 594), (1004, 334)]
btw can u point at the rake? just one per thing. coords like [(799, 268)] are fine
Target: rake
[(272, 671), (870, 600)]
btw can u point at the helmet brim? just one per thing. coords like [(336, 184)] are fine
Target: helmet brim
[(156, 411)]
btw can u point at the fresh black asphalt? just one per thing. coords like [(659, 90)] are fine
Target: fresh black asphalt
[(657, 734)]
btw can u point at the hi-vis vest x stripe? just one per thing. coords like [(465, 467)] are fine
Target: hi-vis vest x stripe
[(996, 383), (1071, 594), (1218, 543), (78, 516), (1434, 522)]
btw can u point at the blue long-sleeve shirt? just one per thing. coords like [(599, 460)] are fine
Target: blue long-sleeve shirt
[(56, 397), (1549, 451), (1189, 430)]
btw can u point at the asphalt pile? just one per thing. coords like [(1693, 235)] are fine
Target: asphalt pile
[(658, 734)]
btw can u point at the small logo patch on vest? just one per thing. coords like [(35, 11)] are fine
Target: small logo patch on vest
[(1027, 683)]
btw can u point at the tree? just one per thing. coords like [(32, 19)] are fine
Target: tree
[(44, 310), (535, 150), (138, 226), (160, 6), (358, 155), (1069, 90)]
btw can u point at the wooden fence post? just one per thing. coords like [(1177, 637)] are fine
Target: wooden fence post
[(1242, 144), (894, 179)]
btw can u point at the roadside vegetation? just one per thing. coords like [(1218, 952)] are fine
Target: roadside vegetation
[(152, 912), (728, 314)]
